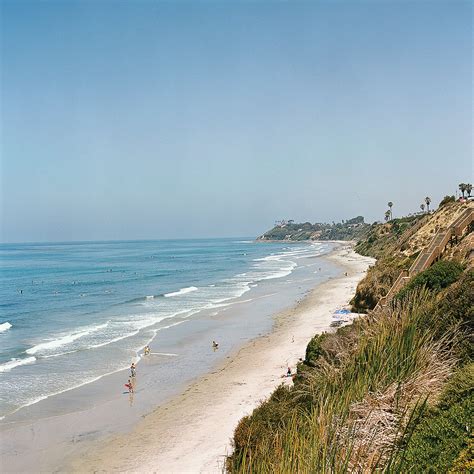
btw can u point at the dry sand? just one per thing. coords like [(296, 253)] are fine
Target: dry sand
[(192, 432)]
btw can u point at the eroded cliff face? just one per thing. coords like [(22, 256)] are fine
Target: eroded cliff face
[(439, 220), (396, 252)]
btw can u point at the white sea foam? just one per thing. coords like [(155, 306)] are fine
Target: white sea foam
[(86, 382), (53, 344), (135, 324), (138, 324), (5, 326), (280, 274), (269, 258), (154, 319), (11, 364), (168, 354), (44, 397), (116, 339), (182, 291), (58, 354), (131, 326), (275, 266)]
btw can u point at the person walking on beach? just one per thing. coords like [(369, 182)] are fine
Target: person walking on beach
[(129, 385), (133, 369), (215, 346), (146, 351)]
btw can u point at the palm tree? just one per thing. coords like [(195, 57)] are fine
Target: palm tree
[(468, 189), (428, 201), (463, 188), (390, 204), (422, 207)]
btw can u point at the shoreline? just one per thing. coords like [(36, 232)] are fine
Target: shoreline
[(289, 241), (44, 435), (191, 432)]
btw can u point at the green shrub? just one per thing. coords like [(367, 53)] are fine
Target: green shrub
[(440, 275), (264, 419), (314, 349), (465, 461), (447, 199), (439, 439), (455, 308), (378, 281), (459, 386)]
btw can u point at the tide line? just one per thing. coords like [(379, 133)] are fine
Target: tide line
[(169, 354)]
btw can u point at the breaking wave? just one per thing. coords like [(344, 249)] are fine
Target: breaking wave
[(182, 291)]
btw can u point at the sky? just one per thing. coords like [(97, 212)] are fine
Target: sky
[(149, 120)]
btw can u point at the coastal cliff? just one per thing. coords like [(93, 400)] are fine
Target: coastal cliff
[(392, 391)]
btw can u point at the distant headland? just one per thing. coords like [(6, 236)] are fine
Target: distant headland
[(351, 229)]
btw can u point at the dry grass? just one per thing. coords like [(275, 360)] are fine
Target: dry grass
[(381, 417), (441, 219), (356, 402)]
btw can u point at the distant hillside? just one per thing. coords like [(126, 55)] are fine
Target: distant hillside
[(352, 229)]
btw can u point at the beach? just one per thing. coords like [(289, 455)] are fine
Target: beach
[(192, 431), (188, 397)]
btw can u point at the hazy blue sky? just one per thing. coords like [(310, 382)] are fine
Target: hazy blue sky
[(144, 119)]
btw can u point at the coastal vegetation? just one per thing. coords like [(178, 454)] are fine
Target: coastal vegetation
[(351, 229), (446, 200), (428, 202), (391, 392), (396, 245), (439, 276), (465, 188)]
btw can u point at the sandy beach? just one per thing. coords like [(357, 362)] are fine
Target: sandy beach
[(192, 432)]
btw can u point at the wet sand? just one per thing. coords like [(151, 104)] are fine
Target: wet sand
[(192, 432)]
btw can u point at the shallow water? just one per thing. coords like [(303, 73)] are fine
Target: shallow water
[(72, 313)]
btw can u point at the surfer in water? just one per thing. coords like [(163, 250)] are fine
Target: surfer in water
[(215, 346)]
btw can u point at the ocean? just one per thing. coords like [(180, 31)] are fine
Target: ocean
[(72, 313)]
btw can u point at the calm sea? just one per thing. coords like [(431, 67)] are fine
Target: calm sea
[(71, 313)]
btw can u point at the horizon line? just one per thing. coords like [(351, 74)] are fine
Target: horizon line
[(121, 240)]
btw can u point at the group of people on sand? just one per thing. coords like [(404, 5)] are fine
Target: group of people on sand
[(130, 385), (131, 380), (133, 373)]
